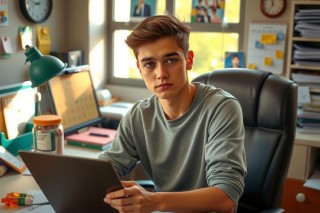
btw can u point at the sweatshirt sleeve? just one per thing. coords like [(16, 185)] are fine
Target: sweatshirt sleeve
[(122, 154), (224, 151)]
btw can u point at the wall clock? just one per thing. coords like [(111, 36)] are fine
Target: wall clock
[(273, 8), (36, 11)]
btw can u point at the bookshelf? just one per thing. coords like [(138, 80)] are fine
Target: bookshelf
[(296, 38), (303, 61), (305, 158)]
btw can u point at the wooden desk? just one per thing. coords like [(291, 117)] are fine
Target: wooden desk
[(305, 157), (15, 182)]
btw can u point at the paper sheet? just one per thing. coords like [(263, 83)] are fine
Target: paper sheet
[(38, 197), (314, 181)]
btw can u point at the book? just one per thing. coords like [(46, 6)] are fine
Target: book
[(12, 161), (93, 137)]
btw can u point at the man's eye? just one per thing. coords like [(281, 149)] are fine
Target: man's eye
[(171, 60), (149, 65)]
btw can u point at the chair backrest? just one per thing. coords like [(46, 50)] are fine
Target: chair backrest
[(269, 105)]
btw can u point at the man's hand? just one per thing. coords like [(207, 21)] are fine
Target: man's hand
[(133, 198)]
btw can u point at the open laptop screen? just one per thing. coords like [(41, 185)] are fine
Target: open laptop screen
[(73, 98)]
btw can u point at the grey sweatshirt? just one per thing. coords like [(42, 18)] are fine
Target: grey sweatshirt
[(204, 147)]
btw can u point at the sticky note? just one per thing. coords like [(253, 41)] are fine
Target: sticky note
[(268, 38), (267, 61), (280, 36), (252, 66), (279, 54), (3, 13), (43, 40), (258, 45)]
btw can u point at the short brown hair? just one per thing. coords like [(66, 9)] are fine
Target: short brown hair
[(156, 27)]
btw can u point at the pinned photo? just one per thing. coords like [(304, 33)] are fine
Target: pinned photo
[(234, 60)]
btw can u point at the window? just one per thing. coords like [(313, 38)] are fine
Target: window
[(209, 41)]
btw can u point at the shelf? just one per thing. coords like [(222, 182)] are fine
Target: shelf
[(294, 38), (312, 140), (295, 66), (298, 38)]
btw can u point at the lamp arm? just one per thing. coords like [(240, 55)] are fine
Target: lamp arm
[(37, 99)]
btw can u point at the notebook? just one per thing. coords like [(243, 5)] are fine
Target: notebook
[(72, 184)]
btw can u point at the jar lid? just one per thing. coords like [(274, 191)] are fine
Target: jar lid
[(46, 120)]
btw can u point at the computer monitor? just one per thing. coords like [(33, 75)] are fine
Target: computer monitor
[(73, 97)]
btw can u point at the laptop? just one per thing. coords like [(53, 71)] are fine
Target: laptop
[(73, 184)]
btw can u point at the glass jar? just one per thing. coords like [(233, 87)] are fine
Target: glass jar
[(48, 134)]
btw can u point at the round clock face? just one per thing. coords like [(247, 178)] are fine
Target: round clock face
[(36, 11), (273, 8)]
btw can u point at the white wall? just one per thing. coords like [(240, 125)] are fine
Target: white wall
[(13, 70)]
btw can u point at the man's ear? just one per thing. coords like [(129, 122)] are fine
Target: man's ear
[(190, 57)]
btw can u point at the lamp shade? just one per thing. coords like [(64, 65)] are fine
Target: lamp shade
[(43, 67)]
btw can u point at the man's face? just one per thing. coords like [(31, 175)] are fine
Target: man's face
[(235, 60), (163, 67)]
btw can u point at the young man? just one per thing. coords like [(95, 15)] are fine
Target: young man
[(188, 137)]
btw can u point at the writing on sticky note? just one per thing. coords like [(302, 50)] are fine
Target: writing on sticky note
[(268, 61), (279, 54), (268, 38), (252, 66)]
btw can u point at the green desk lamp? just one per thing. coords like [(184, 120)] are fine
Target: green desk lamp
[(42, 69)]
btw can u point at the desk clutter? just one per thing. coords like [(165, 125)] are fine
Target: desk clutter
[(16, 112), (308, 115), (71, 96), (17, 199), (35, 199)]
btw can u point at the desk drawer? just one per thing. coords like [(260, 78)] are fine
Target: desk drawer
[(293, 187)]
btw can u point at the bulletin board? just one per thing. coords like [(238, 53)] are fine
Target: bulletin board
[(266, 46), (73, 97)]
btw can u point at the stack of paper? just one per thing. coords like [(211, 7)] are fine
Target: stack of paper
[(314, 181), (306, 55), (308, 121), (308, 23)]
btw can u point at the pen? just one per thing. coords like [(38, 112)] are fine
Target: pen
[(98, 134)]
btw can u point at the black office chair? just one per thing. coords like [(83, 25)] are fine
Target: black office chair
[(269, 105)]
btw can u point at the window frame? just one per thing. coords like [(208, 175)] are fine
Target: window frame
[(170, 8)]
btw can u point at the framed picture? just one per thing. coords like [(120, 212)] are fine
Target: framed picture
[(234, 60), (140, 9), (207, 11)]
